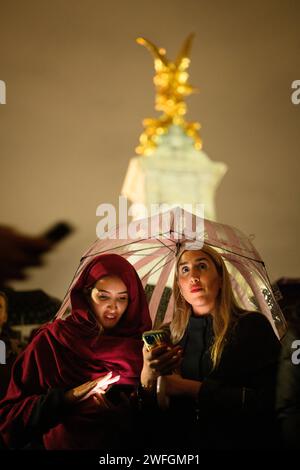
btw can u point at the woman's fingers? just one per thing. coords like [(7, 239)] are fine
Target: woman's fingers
[(89, 388), (92, 383), (169, 359), (85, 390), (159, 351), (100, 400), (163, 353), (165, 369), (113, 380), (105, 382), (80, 392)]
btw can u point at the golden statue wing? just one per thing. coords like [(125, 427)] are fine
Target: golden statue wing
[(158, 53), (182, 61)]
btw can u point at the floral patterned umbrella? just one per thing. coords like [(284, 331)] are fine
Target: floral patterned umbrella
[(153, 244)]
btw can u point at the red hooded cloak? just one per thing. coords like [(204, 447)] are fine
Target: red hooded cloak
[(67, 353)]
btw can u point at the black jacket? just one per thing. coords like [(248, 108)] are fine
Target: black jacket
[(235, 407), (288, 389)]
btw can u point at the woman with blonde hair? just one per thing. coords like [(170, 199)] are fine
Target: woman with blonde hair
[(223, 391)]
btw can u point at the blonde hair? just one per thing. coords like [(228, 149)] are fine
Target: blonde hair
[(226, 310)]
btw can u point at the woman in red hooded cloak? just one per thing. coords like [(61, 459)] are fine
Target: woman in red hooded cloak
[(56, 397)]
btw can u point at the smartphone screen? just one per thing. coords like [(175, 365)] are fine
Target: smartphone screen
[(155, 338)]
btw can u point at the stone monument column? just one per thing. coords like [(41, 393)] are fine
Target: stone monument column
[(171, 167)]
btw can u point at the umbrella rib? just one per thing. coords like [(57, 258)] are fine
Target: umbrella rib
[(167, 262), (227, 250), (149, 248), (138, 252), (128, 244), (237, 254), (155, 266), (166, 246), (115, 248)]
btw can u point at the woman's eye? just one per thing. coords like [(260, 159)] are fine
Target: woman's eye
[(102, 297), (123, 299), (184, 269), (203, 266)]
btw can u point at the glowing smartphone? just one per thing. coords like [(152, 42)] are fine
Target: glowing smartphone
[(155, 338)]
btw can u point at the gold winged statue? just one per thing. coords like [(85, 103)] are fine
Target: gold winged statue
[(171, 83)]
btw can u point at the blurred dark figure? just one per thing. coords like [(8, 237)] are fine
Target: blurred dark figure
[(288, 387), (290, 292), (18, 252), (12, 343), (30, 307)]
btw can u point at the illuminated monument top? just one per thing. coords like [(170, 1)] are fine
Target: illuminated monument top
[(172, 168)]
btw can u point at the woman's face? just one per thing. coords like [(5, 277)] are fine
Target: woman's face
[(198, 281), (3, 311), (109, 300)]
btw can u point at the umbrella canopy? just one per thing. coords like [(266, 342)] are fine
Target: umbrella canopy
[(151, 245)]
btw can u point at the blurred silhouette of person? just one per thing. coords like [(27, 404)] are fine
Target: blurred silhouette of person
[(13, 345), (288, 384), (18, 252)]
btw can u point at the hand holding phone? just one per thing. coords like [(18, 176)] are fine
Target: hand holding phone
[(154, 338)]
